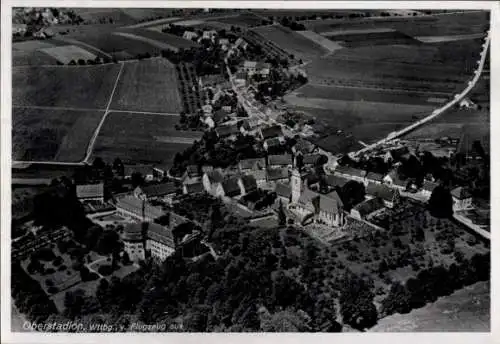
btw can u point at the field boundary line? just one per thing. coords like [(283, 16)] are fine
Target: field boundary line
[(61, 108), (146, 112), (383, 89), (98, 129)]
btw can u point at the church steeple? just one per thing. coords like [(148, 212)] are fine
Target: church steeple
[(296, 182)]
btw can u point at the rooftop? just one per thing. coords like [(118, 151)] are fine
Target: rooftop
[(160, 234), (277, 173), (254, 163), (283, 190), (231, 187), (460, 193), (270, 132), (351, 171), (369, 206), (194, 188), (282, 159), (135, 206), (249, 182), (90, 190), (159, 189), (381, 191), (375, 176)]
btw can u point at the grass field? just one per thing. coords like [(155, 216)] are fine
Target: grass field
[(134, 138), (466, 310), (242, 19), (58, 86), (291, 42), (65, 54), (148, 85), (52, 135), (161, 40), (453, 24), (321, 40), (370, 38), (29, 53)]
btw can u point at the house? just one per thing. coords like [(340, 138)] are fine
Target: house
[(191, 175), (389, 196), (159, 241), (207, 168), (224, 42), (191, 35), (269, 144), (372, 177), (247, 184), (227, 131), (252, 164), (275, 175), (211, 80), (227, 108), (260, 177), (283, 193), (137, 210), (350, 173), (19, 29), (146, 171), (250, 126), (427, 188), (133, 241), (229, 188), (467, 104), (240, 79), (90, 192), (392, 179), (271, 132), (250, 66), (211, 181), (209, 34), (241, 43), (193, 188), (163, 191), (396, 154), (367, 209), (263, 68), (280, 161), (462, 198)]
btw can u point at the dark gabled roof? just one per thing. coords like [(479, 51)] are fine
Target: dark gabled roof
[(135, 206), (429, 186), (270, 132), (367, 207), (192, 170), (273, 142), (333, 181), (396, 180), (231, 187), (381, 191), (256, 163), (215, 176), (219, 116), (311, 159), (132, 232), (194, 188), (307, 199), (283, 190), (282, 159), (128, 170), (159, 189), (374, 176), (277, 173), (249, 182), (90, 190), (160, 234), (227, 130), (351, 171), (331, 203), (460, 193), (259, 174)]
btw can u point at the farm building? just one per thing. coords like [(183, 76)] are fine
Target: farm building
[(275, 175), (252, 164), (191, 175), (389, 196), (211, 80), (191, 35), (227, 131), (372, 177), (90, 192), (247, 184), (192, 189), (260, 176), (146, 171), (350, 173), (281, 160), (462, 198), (160, 241), (250, 126), (240, 79), (271, 132), (334, 181), (241, 43), (136, 209), (253, 67), (311, 159), (163, 191), (211, 181), (229, 188), (209, 34), (393, 179), (367, 209), (271, 143)]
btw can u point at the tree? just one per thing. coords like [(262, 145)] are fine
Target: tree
[(398, 300), (281, 214), (137, 179), (441, 203), (352, 193)]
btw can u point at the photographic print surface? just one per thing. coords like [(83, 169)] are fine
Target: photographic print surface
[(250, 170)]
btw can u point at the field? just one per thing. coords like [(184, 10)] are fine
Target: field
[(51, 134), (30, 53), (65, 54), (160, 39), (137, 138), (321, 40), (122, 15), (466, 310), (292, 42), (57, 86), (353, 39), (149, 85), (243, 19), (442, 25)]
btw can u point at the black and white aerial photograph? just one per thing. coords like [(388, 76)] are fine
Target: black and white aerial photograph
[(248, 170)]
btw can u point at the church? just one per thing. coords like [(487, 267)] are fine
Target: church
[(326, 209)]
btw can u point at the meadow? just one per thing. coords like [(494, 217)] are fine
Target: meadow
[(242, 19), (52, 135), (292, 42), (148, 85), (57, 86), (137, 138)]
